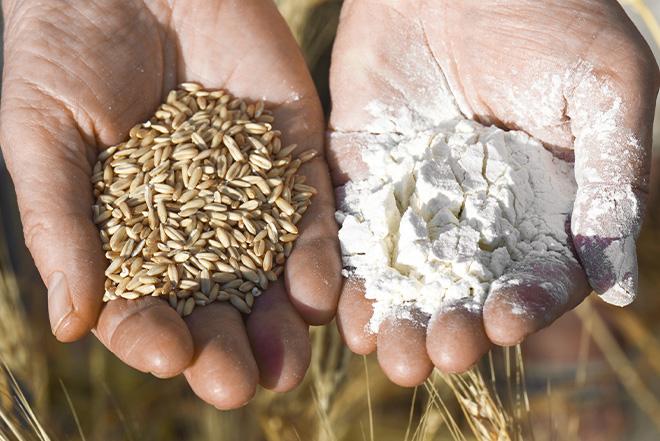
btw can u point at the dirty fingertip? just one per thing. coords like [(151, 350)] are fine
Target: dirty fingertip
[(611, 267)]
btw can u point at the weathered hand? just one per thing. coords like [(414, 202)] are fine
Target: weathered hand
[(78, 75), (575, 74)]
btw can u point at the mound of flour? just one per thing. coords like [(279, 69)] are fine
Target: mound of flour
[(447, 211)]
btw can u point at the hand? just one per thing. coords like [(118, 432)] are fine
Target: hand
[(575, 74), (78, 76)]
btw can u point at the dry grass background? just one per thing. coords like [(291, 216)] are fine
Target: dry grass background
[(81, 391)]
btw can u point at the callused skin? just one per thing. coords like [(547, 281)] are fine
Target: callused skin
[(553, 69), (78, 75)]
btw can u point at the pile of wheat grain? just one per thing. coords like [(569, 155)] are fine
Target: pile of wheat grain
[(200, 204)]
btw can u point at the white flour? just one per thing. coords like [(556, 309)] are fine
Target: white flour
[(446, 211)]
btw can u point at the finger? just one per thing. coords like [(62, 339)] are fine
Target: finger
[(402, 350), (353, 315), (223, 371), (280, 340), (313, 270), (612, 118), (146, 334), (531, 296), (49, 164), (456, 337)]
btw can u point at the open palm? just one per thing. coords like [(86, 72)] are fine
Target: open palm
[(78, 76), (575, 74)]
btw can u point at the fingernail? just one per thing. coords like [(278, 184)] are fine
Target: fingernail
[(621, 294), (59, 300)]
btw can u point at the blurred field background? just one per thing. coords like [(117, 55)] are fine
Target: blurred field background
[(607, 388)]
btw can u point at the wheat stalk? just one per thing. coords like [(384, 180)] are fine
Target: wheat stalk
[(19, 422)]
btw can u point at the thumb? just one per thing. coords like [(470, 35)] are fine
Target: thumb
[(612, 117), (48, 161)]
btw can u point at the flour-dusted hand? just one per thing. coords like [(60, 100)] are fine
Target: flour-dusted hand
[(576, 75), (78, 75)]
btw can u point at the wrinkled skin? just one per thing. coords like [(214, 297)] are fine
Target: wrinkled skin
[(78, 75), (552, 69)]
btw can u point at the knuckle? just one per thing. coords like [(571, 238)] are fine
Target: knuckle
[(35, 227)]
